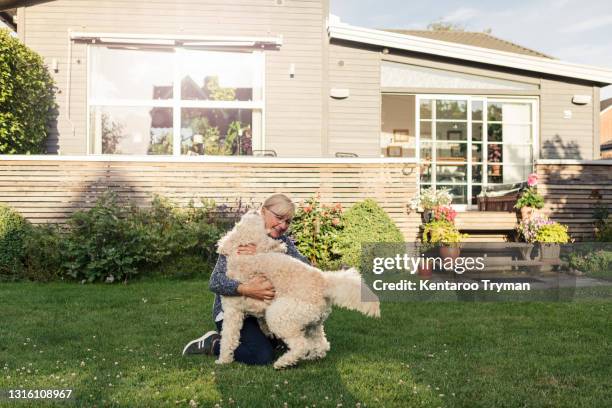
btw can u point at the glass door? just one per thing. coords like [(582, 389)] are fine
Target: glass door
[(445, 145), (467, 143)]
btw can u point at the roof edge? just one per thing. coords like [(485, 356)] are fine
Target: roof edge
[(502, 40), (343, 31)]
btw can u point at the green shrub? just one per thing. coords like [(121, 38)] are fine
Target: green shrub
[(104, 243), (113, 241), (604, 232), (315, 228), (596, 263), (42, 253), (365, 222), (13, 231), (117, 242), (27, 103)]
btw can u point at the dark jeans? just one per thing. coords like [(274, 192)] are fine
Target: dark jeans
[(254, 348)]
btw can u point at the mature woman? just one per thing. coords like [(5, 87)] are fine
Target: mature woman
[(255, 348)]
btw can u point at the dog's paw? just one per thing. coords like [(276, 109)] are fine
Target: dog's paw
[(223, 361), (280, 366)]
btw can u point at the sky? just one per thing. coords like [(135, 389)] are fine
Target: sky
[(577, 31)]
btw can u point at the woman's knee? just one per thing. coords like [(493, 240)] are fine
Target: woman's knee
[(262, 355), (265, 356)]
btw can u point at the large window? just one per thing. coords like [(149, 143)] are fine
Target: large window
[(174, 101), (468, 143)]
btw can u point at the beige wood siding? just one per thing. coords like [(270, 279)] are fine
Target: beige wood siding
[(293, 105), (559, 137), (48, 191), (566, 138), (572, 192), (354, 122)]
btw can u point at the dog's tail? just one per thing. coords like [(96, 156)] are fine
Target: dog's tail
[(344, 289)]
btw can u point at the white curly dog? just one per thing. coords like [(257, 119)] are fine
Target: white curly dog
[(303, 299)]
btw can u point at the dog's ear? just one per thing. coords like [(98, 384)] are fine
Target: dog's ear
[(242, 233)]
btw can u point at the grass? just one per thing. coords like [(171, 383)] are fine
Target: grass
[(119, 345)]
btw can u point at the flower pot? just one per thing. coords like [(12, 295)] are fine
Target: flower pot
[(526, 213), (550, 251), (449, 252), (526, 251), (426, 216), (426, 270)]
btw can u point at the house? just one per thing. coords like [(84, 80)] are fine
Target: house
[(467, 111), (606, 128)]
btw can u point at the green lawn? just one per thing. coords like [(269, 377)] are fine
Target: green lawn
[(119, 345)]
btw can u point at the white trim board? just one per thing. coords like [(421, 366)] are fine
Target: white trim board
[(211, 159), (178, 39), (343, 31), (569, 162)]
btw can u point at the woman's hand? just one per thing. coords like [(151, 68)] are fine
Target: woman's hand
[(246, 249), (258, 288)]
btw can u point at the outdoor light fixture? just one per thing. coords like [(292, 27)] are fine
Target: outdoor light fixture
[(581, 99), (291, 70), (339, 93)]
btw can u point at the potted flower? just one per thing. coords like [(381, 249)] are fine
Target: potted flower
[(495, 156), (530, 199), (429, 199), (425, 269), (445, 234), (444, 212), (550, 236), (528, 230)]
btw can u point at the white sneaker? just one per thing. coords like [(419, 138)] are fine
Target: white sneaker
[(202, 345)]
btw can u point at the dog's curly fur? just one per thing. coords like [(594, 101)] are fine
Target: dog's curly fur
[(303, 299)]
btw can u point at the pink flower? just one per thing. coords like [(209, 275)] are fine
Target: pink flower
[(445, 213), (307, 209), (336, 222), (532, 180)]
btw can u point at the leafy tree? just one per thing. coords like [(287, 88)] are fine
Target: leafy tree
[(445, 26), (215, 92), (112, 133), (27, 98)]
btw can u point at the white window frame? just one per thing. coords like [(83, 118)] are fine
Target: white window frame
[(177, 104), (534, 101)]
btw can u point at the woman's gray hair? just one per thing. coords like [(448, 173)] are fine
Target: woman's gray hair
[(280, 204)]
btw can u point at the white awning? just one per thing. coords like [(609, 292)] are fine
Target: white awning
[(178, 40)]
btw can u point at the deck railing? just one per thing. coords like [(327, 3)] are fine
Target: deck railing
[(49, 188)]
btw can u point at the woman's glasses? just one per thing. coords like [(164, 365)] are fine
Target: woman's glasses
[(280, 218)]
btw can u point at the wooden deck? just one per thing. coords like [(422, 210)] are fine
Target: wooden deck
[(486, 226)]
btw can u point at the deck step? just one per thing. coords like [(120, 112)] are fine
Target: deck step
[(486, 221)]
